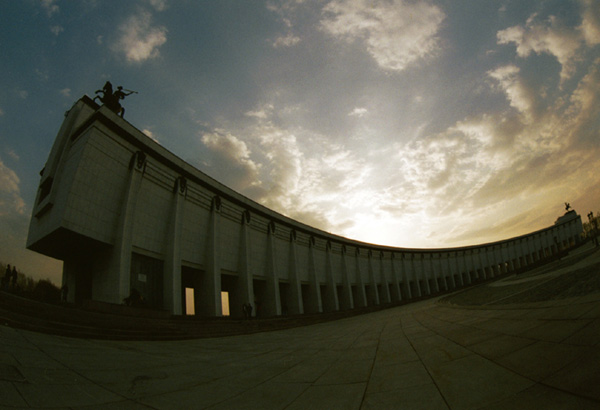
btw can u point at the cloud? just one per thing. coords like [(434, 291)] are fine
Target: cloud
[(284, 9), (513, 162), (261, 113), (590, 24), (56, 30), (66, 92), (50, 7), (159, 5), (230, 161), (397, 33), (519, 169), (582, 117), (42, 75), (358, 112), (13, 154), (140, 40), (10, 195), (1, 112), (150, 134), (282, 171), (518, 94), (549, 36), (286, 41)]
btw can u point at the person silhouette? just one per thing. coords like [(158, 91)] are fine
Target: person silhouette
[(120, 95), (14, 276)]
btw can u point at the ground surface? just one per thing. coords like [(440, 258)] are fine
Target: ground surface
[(523, 342)]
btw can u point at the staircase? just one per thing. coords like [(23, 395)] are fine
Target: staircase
[(117, 322)]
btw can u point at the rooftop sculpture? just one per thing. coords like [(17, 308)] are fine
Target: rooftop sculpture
[(111, 99)]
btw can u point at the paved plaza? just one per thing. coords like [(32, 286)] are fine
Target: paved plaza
[(522, 342)]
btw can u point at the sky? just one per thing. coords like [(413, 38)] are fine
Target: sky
[(408, 123)]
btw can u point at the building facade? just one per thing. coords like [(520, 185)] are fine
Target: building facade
[(124, 213)]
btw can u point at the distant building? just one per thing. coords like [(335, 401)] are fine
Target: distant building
[(124, 213)]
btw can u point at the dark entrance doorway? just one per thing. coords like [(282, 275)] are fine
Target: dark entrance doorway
[(147, 279)]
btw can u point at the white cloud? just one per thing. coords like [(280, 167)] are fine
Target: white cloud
[(150, 134), (396, 33), (549, 36), (358, 112), (159, 5), (286, 41), (42, 74), (13, 155), (50, 7), (230, 162), (512, 163), (139, 40), (519, 95), (590, 24), (499, 163), (66, 92), (10, 195), (301, 177), (262, 112), (56, 30)]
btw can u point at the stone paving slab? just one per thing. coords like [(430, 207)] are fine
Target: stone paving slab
[(434, 354)]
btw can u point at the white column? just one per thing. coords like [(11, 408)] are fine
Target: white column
[(316, 303), (419, 269), (406, 277), (447, 267), (296, 305), (346, 298), (433, 275), (483, 263), (547, 243), (515, 255), (172, 291), (244, 292), (272, 304), (373, 291), (362, 295), (480, 267), (499, 267), (385, 297), (459, 260), (209, 301), (396, 292), (119, 273), (539, 247), (332, 302), (524, 252), (468, 263)]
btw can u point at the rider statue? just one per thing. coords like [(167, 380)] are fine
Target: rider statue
[(111, 99)]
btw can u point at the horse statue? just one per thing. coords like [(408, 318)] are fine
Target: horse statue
[(112, 99)]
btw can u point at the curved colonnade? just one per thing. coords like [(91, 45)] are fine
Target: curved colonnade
[(124, 213)]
